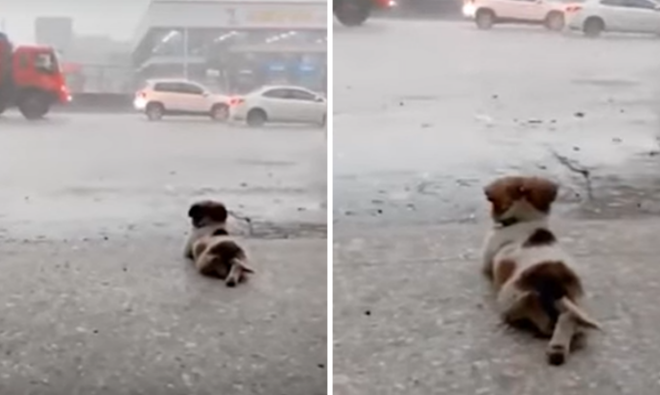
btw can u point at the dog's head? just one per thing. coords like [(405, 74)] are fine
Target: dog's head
[(206, 213), (520, 198)]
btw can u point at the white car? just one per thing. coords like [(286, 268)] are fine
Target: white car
[(594, 17), (162, 97), (286, 104), (487, 13)]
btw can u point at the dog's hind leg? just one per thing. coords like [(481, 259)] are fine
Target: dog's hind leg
[(528, 307), (560, 343)]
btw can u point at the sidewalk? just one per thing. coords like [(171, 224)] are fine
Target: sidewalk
[(413, 315), (128, 315)]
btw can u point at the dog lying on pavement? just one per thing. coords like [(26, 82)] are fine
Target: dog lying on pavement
[(214, 252), (534, 278)]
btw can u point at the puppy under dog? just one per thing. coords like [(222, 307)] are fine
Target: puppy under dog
[(214, 252), (533, 277)]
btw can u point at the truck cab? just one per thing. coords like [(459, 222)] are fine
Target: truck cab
[(31, 79)]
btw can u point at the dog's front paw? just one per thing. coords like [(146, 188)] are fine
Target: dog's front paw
[(557, 354)]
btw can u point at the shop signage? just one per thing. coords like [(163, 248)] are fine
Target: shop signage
[(284, 17)]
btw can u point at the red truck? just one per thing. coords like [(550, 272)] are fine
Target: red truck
[(30, 79), (355, 12)]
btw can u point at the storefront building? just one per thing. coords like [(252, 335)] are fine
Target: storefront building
[(234, 45)]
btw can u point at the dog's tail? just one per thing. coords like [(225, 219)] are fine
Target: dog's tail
[(565, 304), (237, 271), (557, 287)]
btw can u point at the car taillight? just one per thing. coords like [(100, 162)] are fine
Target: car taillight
[(386, 3), (235, 101), (141, 95)]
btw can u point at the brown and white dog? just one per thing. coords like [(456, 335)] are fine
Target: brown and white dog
[(214, 252), (534, 278)]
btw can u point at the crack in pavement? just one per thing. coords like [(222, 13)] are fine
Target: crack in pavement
[(574, 166)]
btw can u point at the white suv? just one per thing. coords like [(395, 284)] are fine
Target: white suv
[(180, 97), (286, 104), (487, 13), (626, 16)]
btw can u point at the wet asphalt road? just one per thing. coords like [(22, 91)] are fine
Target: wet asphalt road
[(439, 108), (76, 170), (96, 297), (426, 113)]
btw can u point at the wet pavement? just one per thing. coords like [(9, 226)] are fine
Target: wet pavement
[(97, 298), (413, 315), (434, 112), (130, 173), (418, 133)]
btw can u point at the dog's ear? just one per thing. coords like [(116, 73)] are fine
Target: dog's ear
[(540, 192), (503, 192), (195, 211)]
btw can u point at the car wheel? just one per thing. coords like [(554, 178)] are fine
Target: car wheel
[(352, 12), (155, 111), (256, 117), (593, 27), (555, 21), (220, 112), (485, 19)]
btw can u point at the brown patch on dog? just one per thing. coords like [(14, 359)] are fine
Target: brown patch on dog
[(220, 232), (219, 258), (505, 191), (208, 211), (223, 258), (551, 281), (504, 269), (540, 237)]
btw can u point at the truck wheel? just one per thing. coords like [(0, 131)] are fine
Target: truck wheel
[(220, 112), (485, 19), (256, 117), (352, 12), (155, 111), (33, 106)]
